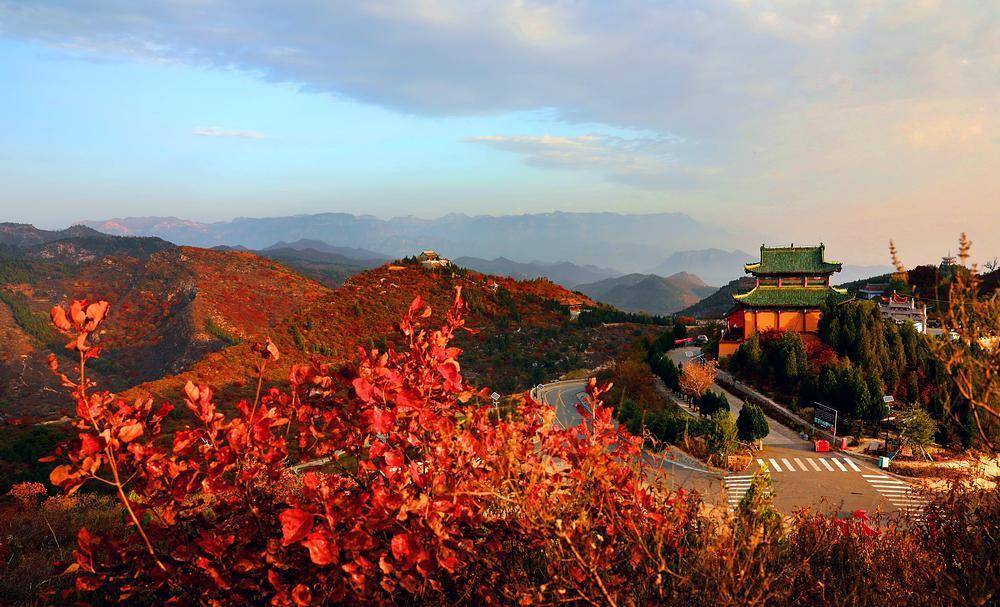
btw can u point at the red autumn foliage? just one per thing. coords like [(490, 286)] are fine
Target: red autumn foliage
[(423, 497), (416, 492)]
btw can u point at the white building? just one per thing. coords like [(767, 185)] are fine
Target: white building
[(901, 308), (430, 259)]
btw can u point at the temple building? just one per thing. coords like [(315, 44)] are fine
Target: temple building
[(903, 308), (790, 286)]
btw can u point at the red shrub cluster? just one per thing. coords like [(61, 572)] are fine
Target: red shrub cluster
[(425, 496)]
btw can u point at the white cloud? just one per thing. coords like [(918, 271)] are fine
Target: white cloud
[(643, 162), (801, 104), (216, 131)]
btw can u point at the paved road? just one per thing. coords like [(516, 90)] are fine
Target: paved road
[(779, 434), (829, 482), (689, 474)]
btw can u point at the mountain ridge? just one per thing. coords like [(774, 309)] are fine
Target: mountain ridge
[(649, 293), (603, 239)]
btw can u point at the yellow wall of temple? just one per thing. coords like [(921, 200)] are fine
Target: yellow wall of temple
[(799, 321)]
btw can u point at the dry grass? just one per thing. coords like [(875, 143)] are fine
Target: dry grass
[(34, 538)]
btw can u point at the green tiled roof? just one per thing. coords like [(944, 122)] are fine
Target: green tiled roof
[(790, 297), (793, 260)]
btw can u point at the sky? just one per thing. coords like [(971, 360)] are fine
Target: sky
[(846, 122)]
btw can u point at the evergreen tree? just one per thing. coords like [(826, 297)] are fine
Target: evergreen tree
[(877, 409), (711, 402), (751, 425), (917, 427), (721, 437)]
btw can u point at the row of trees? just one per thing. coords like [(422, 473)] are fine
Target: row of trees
[(696, 381), (857, 360)]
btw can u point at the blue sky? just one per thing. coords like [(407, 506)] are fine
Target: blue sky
[(850, 122), (116, 138)]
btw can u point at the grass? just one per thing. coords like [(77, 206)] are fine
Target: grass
[(218, 332), (37, 536), (34, 324)]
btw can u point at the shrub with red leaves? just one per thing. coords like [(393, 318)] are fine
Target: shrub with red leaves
[(416, 492), (420, 493)]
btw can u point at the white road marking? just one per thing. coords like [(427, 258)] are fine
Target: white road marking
[(839, 465), (900, 494), (777, 468), (826, 463), (852, 464), (812, 463), (762, 463), (801, 465), (736, 487), (788, 464)]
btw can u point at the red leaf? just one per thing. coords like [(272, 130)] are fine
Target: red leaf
[(59, 475), (382, 421), (405, 546), (394, 458), (77, 313), (321, 548), (363, 388), (295, 525), (59, 318), (191, 392), (129, 433), (449, 370), (418, 302), (89, 445), (302, 595)]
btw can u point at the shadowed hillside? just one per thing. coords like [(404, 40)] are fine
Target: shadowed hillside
[(648, 292)]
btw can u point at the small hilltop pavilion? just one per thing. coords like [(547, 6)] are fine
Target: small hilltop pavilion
[(791, 284)]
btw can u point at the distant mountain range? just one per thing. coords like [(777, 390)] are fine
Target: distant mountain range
[(355, 253), (605, 240), (565, 273), (713, 265), (721, 301), (185, 313), (648, 292), (74, 245), (318, 260), (856, 273)]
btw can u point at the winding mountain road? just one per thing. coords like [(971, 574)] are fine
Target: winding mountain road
[(801, 478), (678, 469), (830, 482)]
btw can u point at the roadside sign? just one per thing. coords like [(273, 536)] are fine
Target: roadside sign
[(825, 417), (888, 399), (495, 397)]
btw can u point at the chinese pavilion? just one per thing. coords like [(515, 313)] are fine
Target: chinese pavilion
[(791, 284)]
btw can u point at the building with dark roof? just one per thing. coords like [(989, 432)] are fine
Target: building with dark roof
[(903, 308), (873, 290), (791, 284)]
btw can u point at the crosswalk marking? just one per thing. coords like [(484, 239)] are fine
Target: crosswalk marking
[(899, 493), (736, 487), (799, 465)]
